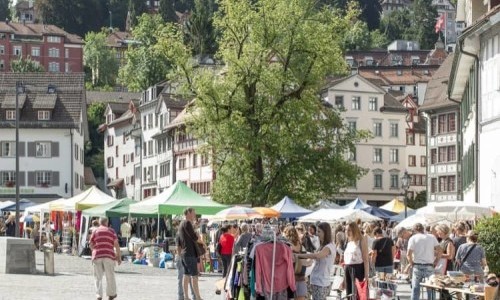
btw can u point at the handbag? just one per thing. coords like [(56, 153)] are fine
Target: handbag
[(398, 254), (200, 250), (362, 289)]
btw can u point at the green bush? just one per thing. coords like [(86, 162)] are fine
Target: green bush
[(488, 230)]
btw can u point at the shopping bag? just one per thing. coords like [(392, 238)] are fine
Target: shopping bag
[(362, 289)]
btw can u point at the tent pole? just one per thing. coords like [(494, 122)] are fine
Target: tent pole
[(158, 228)]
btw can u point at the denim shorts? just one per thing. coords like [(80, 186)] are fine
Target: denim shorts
[(386, 270), (190, 265)]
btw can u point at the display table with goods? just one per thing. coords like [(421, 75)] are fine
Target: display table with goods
[(457, 283)]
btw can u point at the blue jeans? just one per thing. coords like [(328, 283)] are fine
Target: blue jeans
[(419, 274), (180, 275)]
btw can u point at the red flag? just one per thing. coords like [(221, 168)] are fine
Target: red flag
[(440, 23)]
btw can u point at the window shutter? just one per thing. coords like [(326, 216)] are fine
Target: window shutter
[(55, 149), (22, 148), (55, 179), (31, 178), (22, 178), (31, 149)]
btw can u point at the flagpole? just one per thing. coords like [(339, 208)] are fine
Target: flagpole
[(445, 29)]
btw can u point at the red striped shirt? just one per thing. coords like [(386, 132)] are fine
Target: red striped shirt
[(103, 242)]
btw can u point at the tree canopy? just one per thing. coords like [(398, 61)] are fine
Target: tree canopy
[(100, 59), (264, 124), (26, 65), (146, 65)]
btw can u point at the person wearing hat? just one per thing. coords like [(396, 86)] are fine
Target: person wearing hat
[(471, 258)]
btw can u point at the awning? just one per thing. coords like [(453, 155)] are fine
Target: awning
[(115, 184)]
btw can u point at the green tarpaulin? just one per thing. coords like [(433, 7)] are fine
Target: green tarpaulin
[(174, 200), (106, 210)]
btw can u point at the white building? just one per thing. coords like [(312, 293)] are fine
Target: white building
[(52, 131), (475, 83), (384, 156)]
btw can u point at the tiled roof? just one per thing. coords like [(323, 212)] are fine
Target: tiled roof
[(385, 76), (118, 108), (67, 110), (436, 94), (9, 101), (95, 96), (392, 104), (38, 30), (89, 177), (117, 39), (45, 101)]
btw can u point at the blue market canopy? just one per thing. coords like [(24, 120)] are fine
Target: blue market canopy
[(289, 209), (23, 204), (379, 212), (401, 216), (357, 203)]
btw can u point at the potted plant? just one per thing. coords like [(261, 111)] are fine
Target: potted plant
[(10, 183)]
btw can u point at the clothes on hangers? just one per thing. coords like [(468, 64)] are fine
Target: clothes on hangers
[(283, 265)]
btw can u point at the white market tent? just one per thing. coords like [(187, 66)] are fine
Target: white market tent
[(332, 215), (6, 204), (455, 210), (89, 198)]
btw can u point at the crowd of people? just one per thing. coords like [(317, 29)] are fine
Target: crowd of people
[(365, 250)]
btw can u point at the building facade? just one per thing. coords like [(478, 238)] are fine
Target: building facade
[(475, 84), (53, 48), (52, 132), (369, 107)]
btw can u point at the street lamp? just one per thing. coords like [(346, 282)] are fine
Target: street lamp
[(405, 184), (19, 90)]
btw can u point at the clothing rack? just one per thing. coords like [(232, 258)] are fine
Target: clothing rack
[(268, 232)]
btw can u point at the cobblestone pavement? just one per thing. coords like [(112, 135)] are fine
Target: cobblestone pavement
[(74, 280)]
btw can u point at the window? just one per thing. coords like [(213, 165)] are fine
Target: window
[(2, 49), (442, 183), (35, 51), (195, 160), (377, 181), (43, 178), (116, 151), (352, 155), (42, 149), (433, 185), (394, 130), (53, 67), (451, 183), (109, 162), (182, 163), (452, 124), (423, 161), (433, 156), (377, 129), (339, 101), (150, 147), (66, 67), (43, 115), (8, 178), (110, 140), (66, 53), (165, 169), (204, 160), (9, 149), (452, 153), (356, 103), (53, 39), (412, 160), (2, 64), (372, 104), (394, 156), (433, 125), (423, 140), (394, 181), (442, 124), (76, 151), (10, 115), (410, 138), (377, 155), (18, 50), (352, 126), (442, 154)]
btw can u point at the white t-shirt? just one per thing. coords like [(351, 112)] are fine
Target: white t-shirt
[(125, 229), (352, 253), (423, 246), (322, 269)]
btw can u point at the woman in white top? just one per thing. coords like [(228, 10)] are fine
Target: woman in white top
[(320, 276), (355, 257)]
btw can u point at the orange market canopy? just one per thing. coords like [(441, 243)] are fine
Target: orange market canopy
[(87, 199), (395, 205), (267, 212)]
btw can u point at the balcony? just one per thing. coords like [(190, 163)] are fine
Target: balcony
[(185, 145)]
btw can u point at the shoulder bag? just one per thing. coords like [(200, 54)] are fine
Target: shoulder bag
[(459, 264)]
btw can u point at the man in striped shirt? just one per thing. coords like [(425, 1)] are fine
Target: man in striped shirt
[(105, 251)]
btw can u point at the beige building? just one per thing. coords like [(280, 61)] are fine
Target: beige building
[(369, 107)]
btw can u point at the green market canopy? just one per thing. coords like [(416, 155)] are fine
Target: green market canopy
[(174, 200), (106, 210)]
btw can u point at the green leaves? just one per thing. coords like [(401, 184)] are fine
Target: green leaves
[(489, 238), (26, 65), (266, 129), (100, 58)]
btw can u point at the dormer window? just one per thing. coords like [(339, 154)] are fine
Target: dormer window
[(109, 118), (43, 115), (10, 115), (415, 60), (349, 60), (369, 61), (51, 89)]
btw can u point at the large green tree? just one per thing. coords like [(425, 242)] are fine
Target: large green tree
[(100, 59), (75, 16), (26, 65), (135, 9), (146, 65), (371, 11), (199, 30), (424, 18), (94, 149), (169, 7), (397, 25), (264, 124)]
